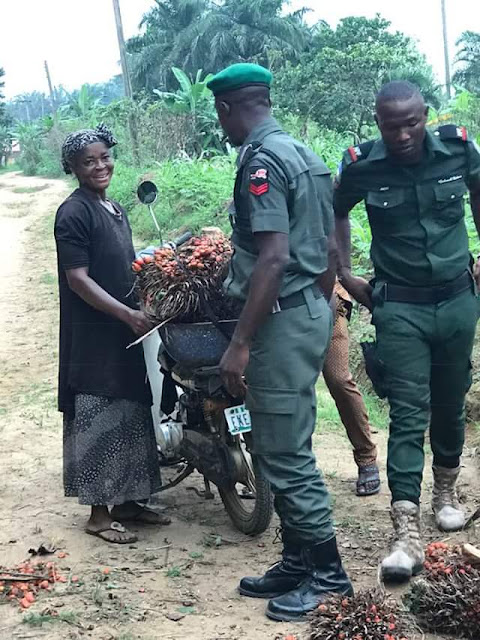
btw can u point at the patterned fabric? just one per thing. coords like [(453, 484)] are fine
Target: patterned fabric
[(343, 302), (344, 391), (75, 142), (109, 451)]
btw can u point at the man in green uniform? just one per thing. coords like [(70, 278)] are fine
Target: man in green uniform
[(423, 299), (282, 220)]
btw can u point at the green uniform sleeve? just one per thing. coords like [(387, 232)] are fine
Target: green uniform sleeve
[(267, 195), (324, 197), (345, 193), (473, 152)]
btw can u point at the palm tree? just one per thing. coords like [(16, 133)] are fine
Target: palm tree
[(2, 84), (210, 34), (6, 137), (151, 52), (468, 60), (243, 31)]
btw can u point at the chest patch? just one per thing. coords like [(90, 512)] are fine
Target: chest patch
[(258, 183)]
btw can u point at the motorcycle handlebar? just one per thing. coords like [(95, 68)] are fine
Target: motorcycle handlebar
[(173, 244), (185, 237)]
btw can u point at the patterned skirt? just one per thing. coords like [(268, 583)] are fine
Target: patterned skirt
[(109, 451)]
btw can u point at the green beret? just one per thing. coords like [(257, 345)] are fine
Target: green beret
[(238, 76)]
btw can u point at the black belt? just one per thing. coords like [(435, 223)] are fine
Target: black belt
[(297, 299), (426, 295)]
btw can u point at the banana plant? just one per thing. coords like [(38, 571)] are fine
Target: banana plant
[(194, 99), (191, 96)]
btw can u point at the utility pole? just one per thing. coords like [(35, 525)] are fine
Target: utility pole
[(448, 81), (121, 45), (50, 88), (132, 125)]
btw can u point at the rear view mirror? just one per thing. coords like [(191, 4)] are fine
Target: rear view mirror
[(147, 192)]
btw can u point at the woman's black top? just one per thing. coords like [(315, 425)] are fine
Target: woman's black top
[(93, 355)]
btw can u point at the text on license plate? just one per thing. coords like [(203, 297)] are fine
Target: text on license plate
[(238, 419)]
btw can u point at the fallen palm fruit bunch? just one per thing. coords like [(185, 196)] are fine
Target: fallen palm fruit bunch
[(369, 615), (447, 598), (179, 285), (21, 584)]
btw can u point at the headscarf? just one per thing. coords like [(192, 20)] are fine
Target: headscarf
[(75, 142)]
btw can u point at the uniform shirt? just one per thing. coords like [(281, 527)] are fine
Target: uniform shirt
[(93, 355), (416, 213), (289, 192)]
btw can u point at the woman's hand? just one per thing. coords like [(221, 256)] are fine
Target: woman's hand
[(138, 322)]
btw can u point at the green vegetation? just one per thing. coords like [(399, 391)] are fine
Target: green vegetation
[(320, 83), (30, 189), (468, 62), (208, 35), (5, 126), (325, 80), (39, 619), (174, 572), (327, 414)]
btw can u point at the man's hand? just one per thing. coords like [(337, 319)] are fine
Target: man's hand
[(232, 367), (476, 272), (359, 289), (138, 322)]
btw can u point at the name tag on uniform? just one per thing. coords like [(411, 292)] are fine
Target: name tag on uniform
[(451, 179)]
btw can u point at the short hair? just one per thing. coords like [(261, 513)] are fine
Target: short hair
[(398, 90), (248, 97)]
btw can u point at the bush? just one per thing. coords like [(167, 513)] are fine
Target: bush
[(148, 132), (192, 194)]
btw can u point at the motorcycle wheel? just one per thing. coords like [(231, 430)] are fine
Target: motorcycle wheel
[(249, 503)]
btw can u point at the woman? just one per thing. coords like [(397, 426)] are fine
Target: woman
[(110, 454)]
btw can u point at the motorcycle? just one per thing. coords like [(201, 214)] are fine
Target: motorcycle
[(204, 429)]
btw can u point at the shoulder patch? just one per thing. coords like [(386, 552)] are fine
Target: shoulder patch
[(258, 181), (452, 132), (357, 152)]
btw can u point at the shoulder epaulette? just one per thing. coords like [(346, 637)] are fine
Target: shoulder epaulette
[(452, 132), (358, 152)]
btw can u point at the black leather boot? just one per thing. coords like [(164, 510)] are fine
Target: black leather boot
[(281, 578), (325, 576)]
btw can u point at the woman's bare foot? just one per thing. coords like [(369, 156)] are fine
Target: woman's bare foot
[(102, 525)]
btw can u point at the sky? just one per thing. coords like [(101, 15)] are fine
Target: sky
[(79, 41)]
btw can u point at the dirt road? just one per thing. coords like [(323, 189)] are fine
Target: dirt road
[(187, 591)]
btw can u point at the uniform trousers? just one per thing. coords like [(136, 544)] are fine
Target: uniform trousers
[(425, 351), (286, 357)]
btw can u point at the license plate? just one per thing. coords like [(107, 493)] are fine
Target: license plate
[(238, 419)]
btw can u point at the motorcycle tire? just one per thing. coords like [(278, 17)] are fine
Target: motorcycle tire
[(256, 519)]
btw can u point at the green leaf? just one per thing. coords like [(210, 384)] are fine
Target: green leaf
[(183, 80), (186, 610)]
